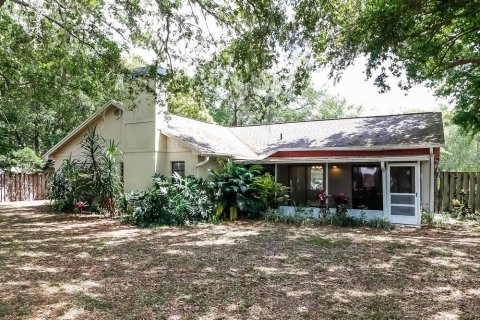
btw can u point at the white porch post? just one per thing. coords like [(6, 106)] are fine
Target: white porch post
[(326, 183), (276, 172), (384, 187), (431, 201), (418, 193)]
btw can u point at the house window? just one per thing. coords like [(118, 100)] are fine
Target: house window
[(367, 187), (306, 183), (179, 168)]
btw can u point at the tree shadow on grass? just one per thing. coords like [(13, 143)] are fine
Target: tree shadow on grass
[(81, 267)]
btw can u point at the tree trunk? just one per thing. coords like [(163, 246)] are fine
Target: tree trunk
[(235, 114), (36, 137)]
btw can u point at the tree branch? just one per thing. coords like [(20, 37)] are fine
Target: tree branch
[(464, 61), (58, 23)]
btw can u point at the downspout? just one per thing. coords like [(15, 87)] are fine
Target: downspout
[(207, 158), (326, 184), (386, 208), (431, 181)]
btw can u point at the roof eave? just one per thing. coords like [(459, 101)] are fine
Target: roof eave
[(362, 148)]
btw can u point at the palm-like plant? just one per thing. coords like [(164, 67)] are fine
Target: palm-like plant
[(96, 180), (233, 190)]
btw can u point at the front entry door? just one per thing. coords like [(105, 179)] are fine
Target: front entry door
[(403, 193)]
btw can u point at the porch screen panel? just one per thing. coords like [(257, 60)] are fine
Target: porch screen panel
[(306, 182), (315, 184), (402, 199), (402, 191), (297, 184), (402, 210), (402, 179), (367, 191)]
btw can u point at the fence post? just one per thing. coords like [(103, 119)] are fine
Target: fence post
[(436, 177)]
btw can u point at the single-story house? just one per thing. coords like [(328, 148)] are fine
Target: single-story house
[(383, 163)]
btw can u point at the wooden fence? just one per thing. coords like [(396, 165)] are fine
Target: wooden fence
[(22, 186), (462, 186)]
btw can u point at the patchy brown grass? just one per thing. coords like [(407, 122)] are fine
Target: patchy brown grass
[(55, 266)]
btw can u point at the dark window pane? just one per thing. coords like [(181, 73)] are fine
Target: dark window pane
[(178, 167), (402, 211), (268, 168), (367, 187), (306, 182), (297, 185), (402, 179)]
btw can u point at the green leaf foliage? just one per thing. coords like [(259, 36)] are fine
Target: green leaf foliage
[(95, 180), (175, 201), (57, 65), (270, 193), (419, 41), (244, 189), (24, 159)]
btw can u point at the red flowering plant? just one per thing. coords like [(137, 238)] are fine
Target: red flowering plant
[(322, 197), (81, 205)]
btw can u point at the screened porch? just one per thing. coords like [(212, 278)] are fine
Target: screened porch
[(358, 185), (398, 190)]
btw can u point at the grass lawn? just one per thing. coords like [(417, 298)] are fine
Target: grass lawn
[(84, 267)]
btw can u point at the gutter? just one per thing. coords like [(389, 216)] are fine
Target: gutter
[(201, 164)]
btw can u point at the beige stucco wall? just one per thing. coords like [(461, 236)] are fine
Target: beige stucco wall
[(204, 170), (109, 126), (425, 182), (146, 150)]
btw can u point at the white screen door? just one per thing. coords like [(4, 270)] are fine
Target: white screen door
[(403, 193)]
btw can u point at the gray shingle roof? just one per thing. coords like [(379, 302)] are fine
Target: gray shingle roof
[(404, 130), (258, 141), (206, 138)]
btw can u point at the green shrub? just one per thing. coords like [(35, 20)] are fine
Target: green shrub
[(379, 223), (176, 201), (272, 215), (304, 216), (69, 184), (234, 191), (240, 189), (95, 181), (428, 218), (270, 193)]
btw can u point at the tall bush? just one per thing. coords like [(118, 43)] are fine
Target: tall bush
[(234, 191), (95, 180), (26, 160)]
